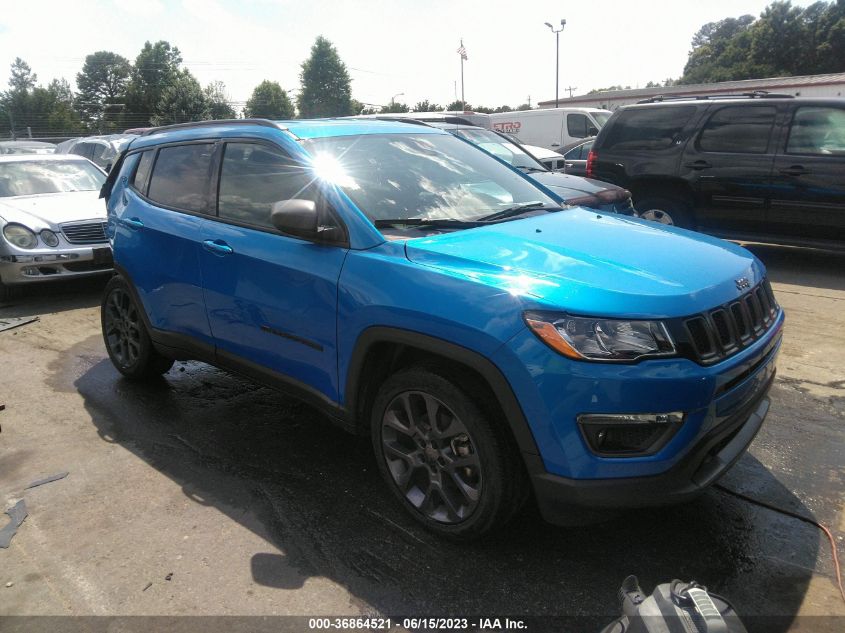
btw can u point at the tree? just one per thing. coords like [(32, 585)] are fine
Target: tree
[(102, 86), (503, 108), (393, 106), (483, 109), (217, 102), (458, 105), (181, 101), (21, 79), (269, 101), (427, 106), (523, 107), (326, 87), (156, 68)]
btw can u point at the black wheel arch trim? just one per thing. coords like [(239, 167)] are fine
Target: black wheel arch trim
[(451, 351)]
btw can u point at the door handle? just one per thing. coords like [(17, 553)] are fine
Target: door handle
[(795, 170), (697, 165), (218, 247), (134, 223)]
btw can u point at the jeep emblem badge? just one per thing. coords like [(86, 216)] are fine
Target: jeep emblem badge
[(742, 283)]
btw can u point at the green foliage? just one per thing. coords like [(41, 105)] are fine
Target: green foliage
[(326, 88), (217, 102), (524, 106), (395, 107), (483, 109), (183, 100), (784, 40), (21, 77), (101, 92), (427, 106), (458, 105), (503, 108), (269, 101), (42, 111), (156, 68)]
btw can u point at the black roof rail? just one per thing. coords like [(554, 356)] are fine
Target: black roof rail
[(193, 124), (756, 94)]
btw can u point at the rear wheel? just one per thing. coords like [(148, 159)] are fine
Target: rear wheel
[(665, 210), (449, 463), (125, 335)]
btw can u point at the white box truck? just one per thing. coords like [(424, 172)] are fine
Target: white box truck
[(550, 127)]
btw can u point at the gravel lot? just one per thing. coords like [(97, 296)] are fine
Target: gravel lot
[(207, 494)]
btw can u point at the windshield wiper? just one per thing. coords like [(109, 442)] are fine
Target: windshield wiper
[(531, 169), (517, 209), (434, 222)]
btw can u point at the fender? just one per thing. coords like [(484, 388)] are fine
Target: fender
[(488, 371)]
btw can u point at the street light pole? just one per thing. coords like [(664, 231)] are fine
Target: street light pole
[(557, 58)]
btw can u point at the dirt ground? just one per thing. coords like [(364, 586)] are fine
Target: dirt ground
[(207, 494)]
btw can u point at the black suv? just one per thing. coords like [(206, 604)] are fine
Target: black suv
[(757, 167)]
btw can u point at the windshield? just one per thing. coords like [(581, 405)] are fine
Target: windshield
[(499, 147), (32, 177), (601, 118), (420, 176)]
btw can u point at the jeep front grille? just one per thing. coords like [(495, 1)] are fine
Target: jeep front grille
[(723, 331)]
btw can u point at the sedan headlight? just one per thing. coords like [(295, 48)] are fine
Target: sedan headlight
[(586, 338), (20, 236), (49, 238)]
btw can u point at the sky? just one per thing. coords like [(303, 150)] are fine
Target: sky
[(391, 47)]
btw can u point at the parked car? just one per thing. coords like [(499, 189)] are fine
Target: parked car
[(575, 156), (423, 292), (460, 117), (550, 159), (765, 168), (52, 223), (26, 147), (100, 150), (551, 128), (572, 190)]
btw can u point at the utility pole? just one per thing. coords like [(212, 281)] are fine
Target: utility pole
[(557, 58), (570, 90)]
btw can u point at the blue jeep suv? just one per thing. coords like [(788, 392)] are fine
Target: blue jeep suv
[(493, 344)]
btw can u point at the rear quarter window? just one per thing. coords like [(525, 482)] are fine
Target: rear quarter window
[(648, 128)]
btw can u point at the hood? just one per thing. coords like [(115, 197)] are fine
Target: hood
[(51, 209), (568, 186), (595, 264)]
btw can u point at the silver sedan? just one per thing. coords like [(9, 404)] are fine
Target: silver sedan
[(52, 222)]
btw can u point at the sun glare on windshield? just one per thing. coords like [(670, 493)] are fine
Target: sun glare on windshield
[(328, 167)]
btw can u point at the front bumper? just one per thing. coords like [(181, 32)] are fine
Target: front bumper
[(43, 264), (725, 404), (705, 462)]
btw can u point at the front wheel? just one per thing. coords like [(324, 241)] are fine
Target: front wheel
[(125, 334), (665, 210), (451, 465)]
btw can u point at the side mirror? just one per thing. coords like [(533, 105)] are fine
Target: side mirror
[(296, 217)]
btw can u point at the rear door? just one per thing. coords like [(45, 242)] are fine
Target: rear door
[(808, 196), (159, 215), (729, 164), (271, 298)]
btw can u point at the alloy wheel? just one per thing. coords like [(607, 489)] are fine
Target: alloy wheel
[(657, 215), (123, 327), (431, 457)]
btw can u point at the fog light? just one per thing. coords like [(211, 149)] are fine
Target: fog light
[(628, 434), (49, 238)]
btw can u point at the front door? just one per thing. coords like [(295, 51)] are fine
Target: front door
[(729, 165), (808, 193), (271, 299)]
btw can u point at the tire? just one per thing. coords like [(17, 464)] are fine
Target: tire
[(468, 450), (665, 210), (125, 335)]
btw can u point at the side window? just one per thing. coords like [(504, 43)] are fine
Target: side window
[(100, 155), (142, 172), (576, 125), (738, 130), (817, 130), (648, 127), (82, 149), (180, 176), (255, 176)]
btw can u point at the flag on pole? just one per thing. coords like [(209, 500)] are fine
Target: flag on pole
[(462, 52)]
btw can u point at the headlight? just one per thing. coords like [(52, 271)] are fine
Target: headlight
[(586, 338), (49, 238), (20, 236)]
